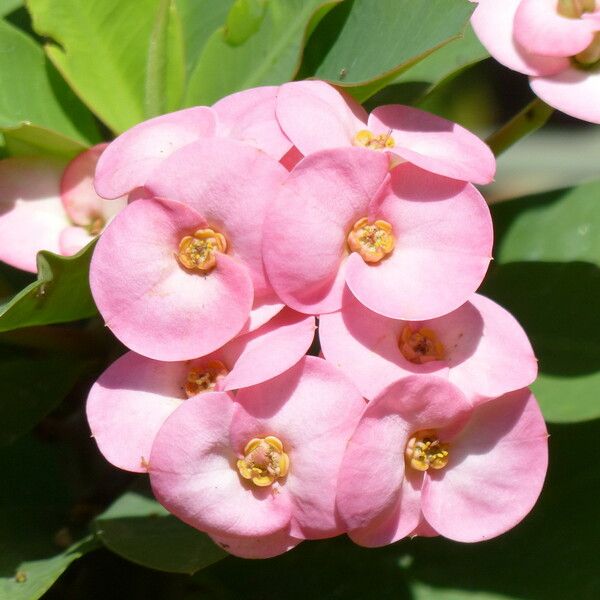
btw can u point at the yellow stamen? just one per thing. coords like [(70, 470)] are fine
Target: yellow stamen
[(573, 9), (420, 346), (264, 461), (204, 378), (366, 139), (96, 225), (372, 241), (199, 251), (424, 451)]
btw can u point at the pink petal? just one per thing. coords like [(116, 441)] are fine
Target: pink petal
[(540, 29), (313, 409), (574, 91), (493, 23), (249, 116), (443, 232), (269, 350), (132, 157), (495, 474), (263, 310), (487, 350), (374, 458), (77, 192), (151, 303), (434, 144), (397, 523), (31, 213), (73, 239), (231, 185), (265, 546), (194, 475), (306, 228), (364, 345), (128, 405), (315, 115)]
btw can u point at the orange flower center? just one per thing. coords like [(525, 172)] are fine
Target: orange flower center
[(421, 345), (424, 451), (199, 251), (204, 378), (366, 139), (372, 241), (264, 461)]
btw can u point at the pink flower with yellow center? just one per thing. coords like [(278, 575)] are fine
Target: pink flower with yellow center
[(258, 472), (428, 462), (407, 243), (315, 116), (176, 279), (48, 204), (479, 347), (134, 396), (555, 42)]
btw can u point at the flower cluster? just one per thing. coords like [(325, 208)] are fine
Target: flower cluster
[(555, 42), (246, 221)]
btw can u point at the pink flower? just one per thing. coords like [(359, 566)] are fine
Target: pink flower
[(247, 116), (316, 116), (409, 244), (47, 205), (479, 347), (259, 471), (176, 279), (422, 459), (133, 397), (555, 42)]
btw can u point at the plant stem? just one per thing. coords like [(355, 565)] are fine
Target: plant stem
[(526, 121)]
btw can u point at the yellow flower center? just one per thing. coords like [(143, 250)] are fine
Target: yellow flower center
[(96, 225), (204, 378), (199, 251), (372, 241), (424, 451), (264, 461), (420, 346), (366, 139), (573, 9)]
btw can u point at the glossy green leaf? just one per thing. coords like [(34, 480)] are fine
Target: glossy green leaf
[(31, 91), (547, 273), (139, 529), (551, 555), (200, 19), (34, 505), (60, 294), (269, 56), (357, 45), (7, 6), (30, 387), (165, 72), (32, 140), (101, 48), (244, 19)]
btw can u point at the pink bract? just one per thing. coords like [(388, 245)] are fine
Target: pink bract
[(532, 37), (132, 398), (486, 353), (497, 461), (312, 408), (47, 204), (316, 116), (442, 229)]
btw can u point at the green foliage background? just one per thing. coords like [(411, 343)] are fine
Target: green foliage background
[(74, 72)]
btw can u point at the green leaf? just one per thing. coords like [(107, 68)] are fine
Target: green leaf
[(101, 48), (60, 294), (32, 140), (8, 6), (269, 56), (139, 529), (31, 91), (34, 505), (244, 19), (560, 225), (546, 273), (200, 19), (30, 387), (355, 45), (165, 73)]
